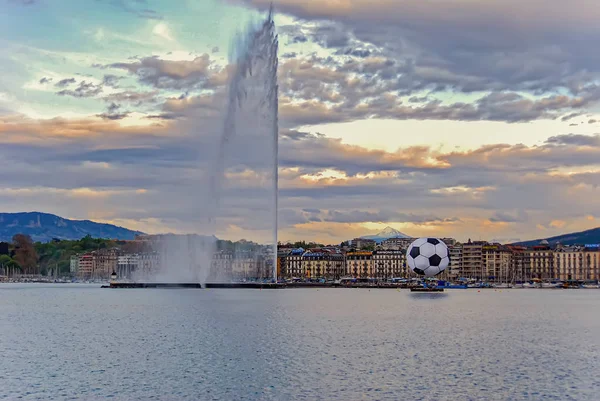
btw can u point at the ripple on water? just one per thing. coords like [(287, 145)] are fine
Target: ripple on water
[(86, 343)]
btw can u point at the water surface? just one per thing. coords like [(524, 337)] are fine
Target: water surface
[(82, 342)]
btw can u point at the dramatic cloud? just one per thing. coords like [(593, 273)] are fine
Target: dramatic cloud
[(168, 74), (141, 170), (145, 155), (461, 45)]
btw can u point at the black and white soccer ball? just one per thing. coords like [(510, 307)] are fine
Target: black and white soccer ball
[(427, 256)]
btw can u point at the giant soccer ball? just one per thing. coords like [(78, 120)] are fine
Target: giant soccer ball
[(427, 256)]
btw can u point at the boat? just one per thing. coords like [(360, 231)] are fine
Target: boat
[(446, 284), (502, 285), (426, 289), (552, 285), (590, 286)]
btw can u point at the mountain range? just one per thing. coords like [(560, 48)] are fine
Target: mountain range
[(580, 238), (386, 233), (43, 227)]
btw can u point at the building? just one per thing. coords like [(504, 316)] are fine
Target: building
[(359, 264), (360, 243), (389, 264), (541, 262), (456, 260), (149, 264), (472, 262), (86, 266), (221, 267), (323, 263), (282, 257), (496, 263), (293, 263), (577, 263), (520, 269), (127, 265), (74, 264), (396, 243), (248, 265), (106, 262)]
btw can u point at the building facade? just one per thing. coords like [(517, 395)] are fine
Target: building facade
[(496, 263), (359, 264), (320, 263), (472, 261), (579, 264), (389, 264)]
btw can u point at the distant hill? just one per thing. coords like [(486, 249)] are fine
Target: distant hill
[(583, 237), (386, 233), (43, 227)]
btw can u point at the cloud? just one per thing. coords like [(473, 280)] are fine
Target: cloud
[(84, 89), (321, 90), (323, 181), (132, 97), (65, 82), (111, 81), (169, 74), (461, 45), (504, 217), (575, 139)]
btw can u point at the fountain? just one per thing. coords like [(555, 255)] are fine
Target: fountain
[(250, 123)]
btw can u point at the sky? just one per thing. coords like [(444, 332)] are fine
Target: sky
[(463, 118)]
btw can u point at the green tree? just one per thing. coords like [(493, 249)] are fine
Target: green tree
[(8, 266)]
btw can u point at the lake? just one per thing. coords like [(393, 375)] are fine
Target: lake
[(69, 341)]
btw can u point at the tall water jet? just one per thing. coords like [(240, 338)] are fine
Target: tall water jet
[(254, 101), (252, 111), (247, 147)]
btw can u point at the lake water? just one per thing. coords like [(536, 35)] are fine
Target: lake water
[(82, 342)]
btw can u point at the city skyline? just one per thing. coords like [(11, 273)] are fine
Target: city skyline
[(456, 127)]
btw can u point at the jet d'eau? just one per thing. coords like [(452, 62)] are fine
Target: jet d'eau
[(251, 116)]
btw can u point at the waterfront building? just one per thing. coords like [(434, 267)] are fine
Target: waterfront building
[(520, 269), (86, 266), (127, 265), (221, 266), (541, 262), (455, 254), (389, 264), (149, 263), (282, 254), (106, 262), (323, 263), (74, 264), (496, 263), (293, 263), (249, 265), (359, 264), (577, 263), (472, 262)]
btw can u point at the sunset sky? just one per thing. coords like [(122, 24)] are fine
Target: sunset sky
[(466, 118)]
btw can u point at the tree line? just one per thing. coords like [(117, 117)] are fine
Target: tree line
[(27, 257), (24, 256)]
